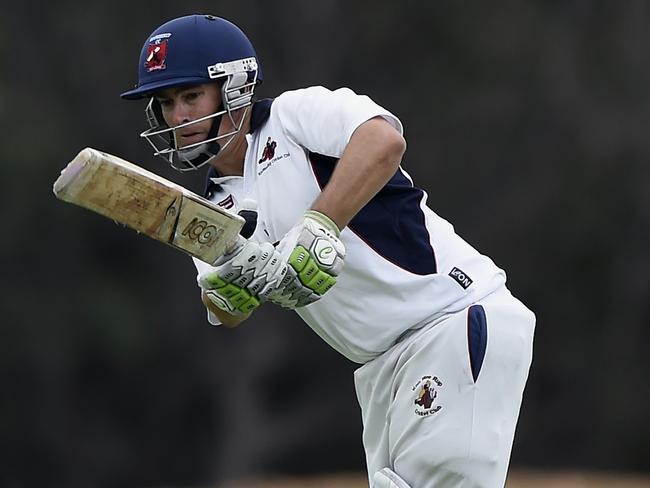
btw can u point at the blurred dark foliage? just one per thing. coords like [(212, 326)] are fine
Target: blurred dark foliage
[(527, 124)]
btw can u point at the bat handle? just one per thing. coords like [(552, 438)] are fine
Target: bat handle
[(235, 245), (249, 213)]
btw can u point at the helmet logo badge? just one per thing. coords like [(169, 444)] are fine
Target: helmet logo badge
[(156, 55)]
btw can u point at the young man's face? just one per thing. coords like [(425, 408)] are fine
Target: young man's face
[(185, 104)]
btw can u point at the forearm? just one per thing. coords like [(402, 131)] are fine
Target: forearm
[(369, 161)]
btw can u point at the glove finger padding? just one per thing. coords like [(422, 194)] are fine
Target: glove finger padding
[(274, 273), (239, 304), (245, 279)]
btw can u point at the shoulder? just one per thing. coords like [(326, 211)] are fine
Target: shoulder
[(317, 104), (342, 109), (315, 93)]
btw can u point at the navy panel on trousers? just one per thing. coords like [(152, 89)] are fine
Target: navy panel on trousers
[(476, 338)]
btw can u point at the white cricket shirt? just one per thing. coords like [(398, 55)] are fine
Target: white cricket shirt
[(404, 264)]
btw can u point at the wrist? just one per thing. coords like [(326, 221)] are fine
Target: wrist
[(324, 220)]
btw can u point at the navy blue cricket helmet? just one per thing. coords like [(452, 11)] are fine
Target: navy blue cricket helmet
[(193, 50)]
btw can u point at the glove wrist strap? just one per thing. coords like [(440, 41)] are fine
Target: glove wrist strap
[(323, 219)]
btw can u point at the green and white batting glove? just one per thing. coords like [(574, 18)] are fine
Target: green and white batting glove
[(315, 256), (244, 278)]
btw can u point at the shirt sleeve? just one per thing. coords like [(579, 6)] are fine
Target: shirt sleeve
[(202, 268), (323, 121)]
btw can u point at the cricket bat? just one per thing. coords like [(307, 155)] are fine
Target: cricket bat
[(148, 203)]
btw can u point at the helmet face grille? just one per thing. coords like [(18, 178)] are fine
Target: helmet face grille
[(194, 156)]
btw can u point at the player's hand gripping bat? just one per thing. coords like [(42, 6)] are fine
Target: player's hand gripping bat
[(149, 204)]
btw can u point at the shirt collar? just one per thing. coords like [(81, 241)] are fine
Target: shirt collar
[(259, 114)]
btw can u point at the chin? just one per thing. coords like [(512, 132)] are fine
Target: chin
[(192, 140)]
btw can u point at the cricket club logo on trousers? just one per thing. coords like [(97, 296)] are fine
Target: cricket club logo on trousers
[(426, 393)]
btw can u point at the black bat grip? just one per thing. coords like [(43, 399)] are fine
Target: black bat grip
[(250, 216)]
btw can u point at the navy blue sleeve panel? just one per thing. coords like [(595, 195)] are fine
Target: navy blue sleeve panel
[(392, 223)]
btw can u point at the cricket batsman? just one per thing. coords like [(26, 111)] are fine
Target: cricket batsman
[(341, 235)]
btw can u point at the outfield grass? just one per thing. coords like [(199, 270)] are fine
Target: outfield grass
[(516, 479)]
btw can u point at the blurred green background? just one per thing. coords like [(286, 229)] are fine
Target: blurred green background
[(527, 123)]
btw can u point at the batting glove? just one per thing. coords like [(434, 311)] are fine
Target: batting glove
[(244, 278), (315, 256)]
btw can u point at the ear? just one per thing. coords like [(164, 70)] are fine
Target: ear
[(154, 114), (235, 92)]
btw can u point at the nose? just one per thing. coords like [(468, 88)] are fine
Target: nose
[(179, 114)]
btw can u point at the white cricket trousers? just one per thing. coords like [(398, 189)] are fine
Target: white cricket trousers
[(440, 407)]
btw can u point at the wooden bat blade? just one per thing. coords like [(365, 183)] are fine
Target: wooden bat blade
[(148, 203)]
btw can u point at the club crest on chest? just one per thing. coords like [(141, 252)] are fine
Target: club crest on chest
[(270, 155), (269, 150)]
